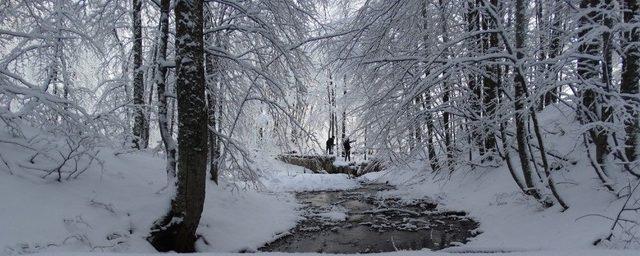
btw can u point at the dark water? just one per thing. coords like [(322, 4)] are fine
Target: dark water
[(358, 221)]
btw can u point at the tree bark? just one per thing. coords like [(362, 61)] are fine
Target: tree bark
[(431, 151), (555, 47), (139, 119), (473, 25), (520, 109), (589, 71), (177, 230), (446, 91), (490, 79), (631, 78), (161, 75), (212, 69)]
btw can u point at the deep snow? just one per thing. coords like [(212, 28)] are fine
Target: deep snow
[(110, 209)]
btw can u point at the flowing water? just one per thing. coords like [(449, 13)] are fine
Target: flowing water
[(360, 221)]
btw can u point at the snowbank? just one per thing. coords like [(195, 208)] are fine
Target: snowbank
[(507, 219), (111, 209), (278, 176)]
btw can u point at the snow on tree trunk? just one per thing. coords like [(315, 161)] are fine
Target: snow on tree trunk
[(446, 92), (589, 70), (433, 162), (520, 109), (177, 230), (140, 139), (490, 84), (160, 76)]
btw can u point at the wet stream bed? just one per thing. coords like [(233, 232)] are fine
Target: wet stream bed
[(360, 221)]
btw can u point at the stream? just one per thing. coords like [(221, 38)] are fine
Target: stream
[(360, 221)]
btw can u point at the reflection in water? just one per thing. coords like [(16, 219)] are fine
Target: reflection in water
[(372, 224)]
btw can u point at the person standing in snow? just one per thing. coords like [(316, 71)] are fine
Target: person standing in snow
[(347, 149), (330, 145)]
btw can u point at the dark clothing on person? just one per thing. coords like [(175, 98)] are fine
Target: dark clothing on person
[(330, 145), (347, 149)]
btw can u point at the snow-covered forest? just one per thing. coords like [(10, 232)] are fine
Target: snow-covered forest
[(404, 127)]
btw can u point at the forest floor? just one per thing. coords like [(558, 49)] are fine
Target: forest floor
[(111, 210), (111, 207)]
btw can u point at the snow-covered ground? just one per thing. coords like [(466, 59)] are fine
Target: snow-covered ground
[(110, 209), (508, 220), (282, 177)]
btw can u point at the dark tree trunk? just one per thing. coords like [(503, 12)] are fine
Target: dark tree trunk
[(631, 77), (177, 230), (446, 91), (490, 84), (344, 113), (335, 118), (473, 25), (607, 70), (520, 109), (139, 120), (542, 51), (555, 47), (332, 130), (431, 151), (214, 141), (589, 71)]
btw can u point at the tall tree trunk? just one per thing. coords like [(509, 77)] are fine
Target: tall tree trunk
[(212, 76), (589, 71), (490, 85), (139, 119), (332, 126), (473, 25), (607, 70), (344, 111), (446, 91), (555, 47), (431, 151), (161, 81), (520, 97), (336, 130), (151, 88), (177, 230), (631, 77), (542, 51), (214, 141)]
